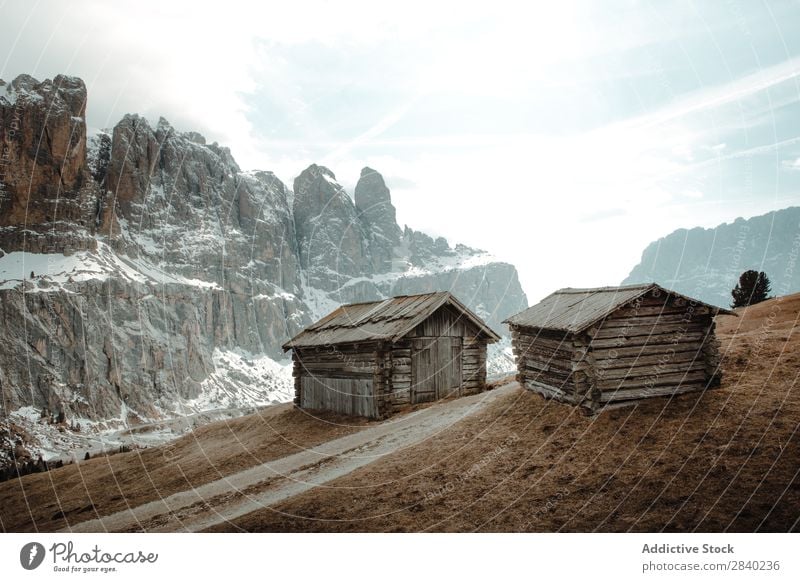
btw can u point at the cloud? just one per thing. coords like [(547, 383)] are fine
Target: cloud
[(735, 91), (793, 165)]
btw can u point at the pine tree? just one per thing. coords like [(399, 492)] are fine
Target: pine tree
[(753, 287)]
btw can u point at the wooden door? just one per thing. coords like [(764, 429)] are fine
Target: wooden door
[(435, 368)]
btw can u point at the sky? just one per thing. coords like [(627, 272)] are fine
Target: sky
[(563, 137)]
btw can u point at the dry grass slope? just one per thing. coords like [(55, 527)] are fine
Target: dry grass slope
[(76, 493)]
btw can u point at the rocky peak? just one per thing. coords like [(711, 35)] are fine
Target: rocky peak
[(98, 155), (374, 202), (330, 237), (424, 248), (134, 151), (44, 173), (22, 84), (181, 202), (374, 205), (315, 189), (195, 137)]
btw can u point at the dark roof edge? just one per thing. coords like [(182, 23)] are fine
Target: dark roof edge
[(286, 346), (568, 290), (645, 288), (718, 310)]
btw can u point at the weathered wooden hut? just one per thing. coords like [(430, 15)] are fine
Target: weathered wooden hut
[(369, 359), (612, 346)]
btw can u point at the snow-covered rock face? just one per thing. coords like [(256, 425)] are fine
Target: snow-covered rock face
[(165, 279), (706, 263)]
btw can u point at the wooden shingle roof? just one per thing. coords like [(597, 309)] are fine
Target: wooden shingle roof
[(386, 320), (575, 310)]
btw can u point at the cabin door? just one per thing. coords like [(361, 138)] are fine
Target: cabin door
[(435, 368)]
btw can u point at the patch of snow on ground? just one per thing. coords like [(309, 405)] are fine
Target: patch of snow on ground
[(500, 359), (462, 259), (52, 270), (275, 296), (53, 441), (155, 273), (241, 379), (17, 267)]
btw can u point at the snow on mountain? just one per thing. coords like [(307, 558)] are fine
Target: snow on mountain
[(43, 272), (241, 379), (7, 93)]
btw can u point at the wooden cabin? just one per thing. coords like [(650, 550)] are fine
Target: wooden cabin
[(613, 346), (370, 359)]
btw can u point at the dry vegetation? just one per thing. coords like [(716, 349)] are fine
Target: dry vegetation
[(725, 460), (76, 493)]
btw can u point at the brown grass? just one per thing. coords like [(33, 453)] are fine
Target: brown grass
[(75, 493)]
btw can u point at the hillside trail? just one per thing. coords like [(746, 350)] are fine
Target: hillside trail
[(278, 480)]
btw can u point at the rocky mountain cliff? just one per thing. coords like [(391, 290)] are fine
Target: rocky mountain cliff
[(706, 263), (143, 274)]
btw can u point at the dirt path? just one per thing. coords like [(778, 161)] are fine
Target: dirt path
[(275, 481)]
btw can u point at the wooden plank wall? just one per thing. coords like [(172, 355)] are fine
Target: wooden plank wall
[(453, 371), (423, 370), (436, 368), (400, 377), (353, 396), (445, 321), (652, 348), (382, 380), (340, 378), (545, 362), (473, 357)]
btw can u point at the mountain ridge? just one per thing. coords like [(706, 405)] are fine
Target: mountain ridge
[(706, 262)]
